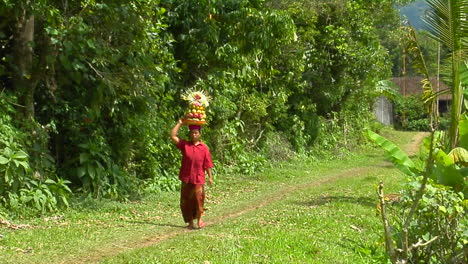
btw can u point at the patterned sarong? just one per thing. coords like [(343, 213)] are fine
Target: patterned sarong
[(192, 198)]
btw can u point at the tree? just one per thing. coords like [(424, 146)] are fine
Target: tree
[(447, 23)]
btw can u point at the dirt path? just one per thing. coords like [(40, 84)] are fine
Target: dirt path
[(121, 246), (413, 147)]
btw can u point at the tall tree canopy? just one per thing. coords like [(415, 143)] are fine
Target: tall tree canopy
[(90, 89)]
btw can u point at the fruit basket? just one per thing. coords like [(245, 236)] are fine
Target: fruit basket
[(196, 114), (193, 122)]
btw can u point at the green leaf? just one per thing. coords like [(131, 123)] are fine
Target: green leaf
[(464, 74), (50, 181), (91, 172), (24, 164), (90, 43), (463, 131), (65, 201), (464, 172), (446, 173), (4, 160), (442, 209), (426, 237), (7, 176), (395, 154), (83, 158), (389, 89), (81, 171), (20, 155), (459, 156), (443, 158), (7, 152)]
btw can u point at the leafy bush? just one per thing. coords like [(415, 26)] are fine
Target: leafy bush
[(410, 114), (441, 216), (47, 196), (169, 181), (276, 147), (22, 181), (99, 175), (101, 98)]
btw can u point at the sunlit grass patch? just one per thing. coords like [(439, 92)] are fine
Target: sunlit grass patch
[(304, 211)]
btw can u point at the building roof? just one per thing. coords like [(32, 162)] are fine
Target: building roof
[(412, 85)]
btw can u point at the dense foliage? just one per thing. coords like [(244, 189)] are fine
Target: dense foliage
[(441, 217), (91, 89), (430, 226), (410, 114)]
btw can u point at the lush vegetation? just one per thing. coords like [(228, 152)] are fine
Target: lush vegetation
[(306, 210), (430, 224), (90, 89)]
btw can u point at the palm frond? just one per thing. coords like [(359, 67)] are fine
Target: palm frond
[(464, 73), (419, 64), (433, 96), (446, 22)]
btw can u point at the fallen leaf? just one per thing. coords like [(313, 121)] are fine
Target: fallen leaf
[(356, 228)]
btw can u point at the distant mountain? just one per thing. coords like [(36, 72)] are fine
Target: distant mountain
[(414, 12)]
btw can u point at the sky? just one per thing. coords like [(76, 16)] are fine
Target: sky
[(414, 13)]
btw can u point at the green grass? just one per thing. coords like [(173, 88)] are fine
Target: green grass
[(308, 212)]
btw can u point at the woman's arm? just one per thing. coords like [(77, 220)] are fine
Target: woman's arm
[(210, 175), (174, 132)]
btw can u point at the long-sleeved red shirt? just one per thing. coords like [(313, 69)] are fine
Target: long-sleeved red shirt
[(195, 160)]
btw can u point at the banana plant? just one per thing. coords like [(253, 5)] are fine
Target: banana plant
[(450, 169), (388, 89), (395, 155), (447, 23)]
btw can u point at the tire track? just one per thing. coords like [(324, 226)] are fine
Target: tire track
[(109, 251)]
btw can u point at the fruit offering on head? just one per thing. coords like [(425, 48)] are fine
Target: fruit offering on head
[(198, 101)]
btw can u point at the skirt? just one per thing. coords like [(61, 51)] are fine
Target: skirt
[(192, 199)]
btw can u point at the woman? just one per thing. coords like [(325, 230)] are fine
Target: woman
[(196, 159)]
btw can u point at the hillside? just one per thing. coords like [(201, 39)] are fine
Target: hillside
[(414, 13)]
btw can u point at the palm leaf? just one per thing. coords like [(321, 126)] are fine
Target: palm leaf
[(445, 22), (464, 74), (419, 64)]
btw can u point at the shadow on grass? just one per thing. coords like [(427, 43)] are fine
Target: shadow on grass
[(365, 201), (370, 251), (387, 165), (156, 224), (373, 155)]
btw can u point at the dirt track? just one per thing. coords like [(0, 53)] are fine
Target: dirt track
[(122, 246)]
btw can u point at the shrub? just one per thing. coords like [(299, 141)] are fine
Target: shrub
[(441, 215), (276, 147), (22, 178), (410, 114)]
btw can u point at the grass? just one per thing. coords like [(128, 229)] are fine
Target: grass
[(302, 211)]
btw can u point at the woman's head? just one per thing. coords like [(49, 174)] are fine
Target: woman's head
[(195, 133)]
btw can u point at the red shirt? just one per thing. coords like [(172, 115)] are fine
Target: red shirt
[(195, 160)]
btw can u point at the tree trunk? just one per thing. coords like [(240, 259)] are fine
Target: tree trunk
[(457, 99), (23, 58)]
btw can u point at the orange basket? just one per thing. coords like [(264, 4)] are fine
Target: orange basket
[(193, 122)]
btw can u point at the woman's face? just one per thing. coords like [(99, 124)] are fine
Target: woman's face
[(195, 135)]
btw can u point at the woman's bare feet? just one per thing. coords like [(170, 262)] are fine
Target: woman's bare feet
[(201, 224), (190, 226)]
